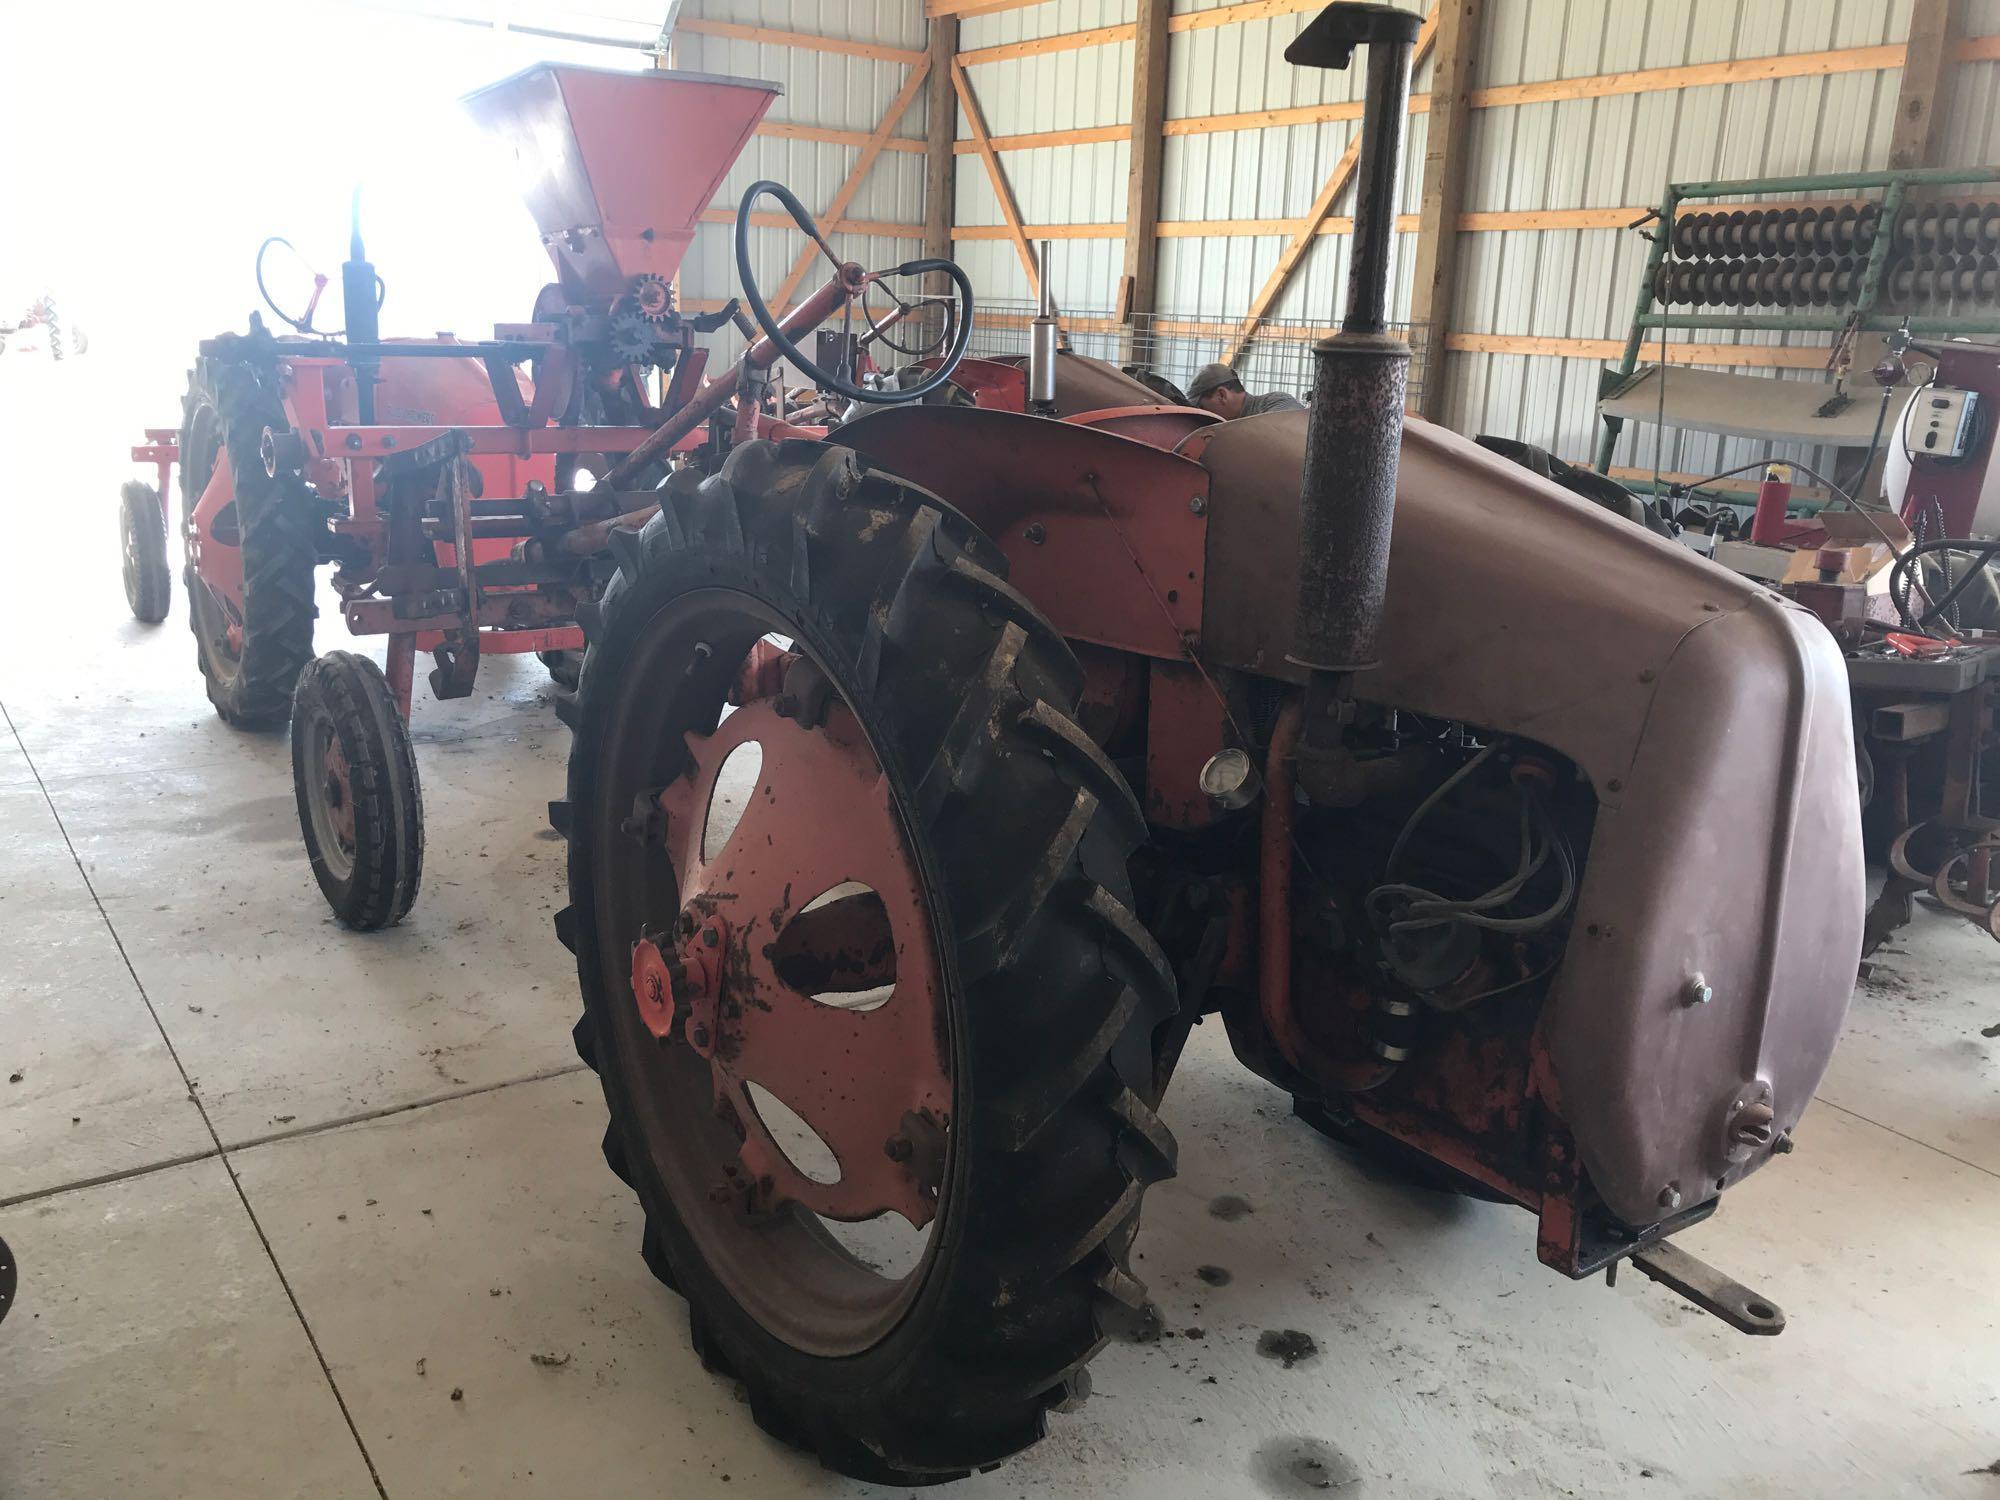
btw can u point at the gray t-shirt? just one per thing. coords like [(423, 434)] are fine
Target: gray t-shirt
[(1256, 406)]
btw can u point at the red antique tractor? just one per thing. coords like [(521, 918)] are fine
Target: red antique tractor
[(441, 477), (935, 775)]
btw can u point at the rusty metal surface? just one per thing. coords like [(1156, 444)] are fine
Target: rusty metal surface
[(1353, 443), (1103, 533), (1186, 723), (1710, 1290), (1712, 721), (856, 1076)]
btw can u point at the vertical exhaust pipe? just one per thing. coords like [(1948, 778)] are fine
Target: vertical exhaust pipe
[(1354, 435), (360, 312), (1042, 339)]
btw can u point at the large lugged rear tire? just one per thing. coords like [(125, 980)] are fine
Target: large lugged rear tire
[(250, 664), (1053, 990)]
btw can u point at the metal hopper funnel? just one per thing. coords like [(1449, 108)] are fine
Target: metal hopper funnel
[(618, 167)]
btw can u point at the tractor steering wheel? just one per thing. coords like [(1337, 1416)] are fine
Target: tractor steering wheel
[(961, 333)]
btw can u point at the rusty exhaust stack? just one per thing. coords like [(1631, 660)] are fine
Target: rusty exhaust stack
[(1355, 433)]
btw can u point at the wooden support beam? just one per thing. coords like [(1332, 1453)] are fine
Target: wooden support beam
[(940, 137), (1142, 183), (1308, 230), (1009, 209), (722, 213), (1085, 135), (809, 41), (1445, 150), (1065, 41), (973, 7), (785, 130), (1920, 97), (1221, 15), (1248, 10), (837, 209), (1740, 356), (1491, 221)]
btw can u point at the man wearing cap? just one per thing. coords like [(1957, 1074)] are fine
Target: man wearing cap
[(1215, 388)]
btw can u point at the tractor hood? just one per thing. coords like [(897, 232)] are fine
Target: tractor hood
[(1710, 716)]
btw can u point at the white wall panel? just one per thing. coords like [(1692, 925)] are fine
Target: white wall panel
[(1613, 152), (826, 89)]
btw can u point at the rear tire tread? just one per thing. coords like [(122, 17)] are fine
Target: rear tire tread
[(971, 691)]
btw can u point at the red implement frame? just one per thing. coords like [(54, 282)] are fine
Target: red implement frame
[(451, 567)]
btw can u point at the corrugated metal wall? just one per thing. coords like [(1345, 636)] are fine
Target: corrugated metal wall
[(1607, 152), (1271, 173), (822, 89), (1072, 184), (1620, 151)]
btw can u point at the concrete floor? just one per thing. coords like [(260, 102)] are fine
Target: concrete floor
[(294, 1208)]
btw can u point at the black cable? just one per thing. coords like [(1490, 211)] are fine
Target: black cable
[(1899, 576)]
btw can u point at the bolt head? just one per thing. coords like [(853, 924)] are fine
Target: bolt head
[(1697, 991), (1670, 1196), (1198, 504), (1784, 1145)]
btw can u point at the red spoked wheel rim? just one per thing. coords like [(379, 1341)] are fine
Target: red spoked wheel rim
[(786, 1035)]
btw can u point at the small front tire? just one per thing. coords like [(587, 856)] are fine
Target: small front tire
[(355, 775), (142, 527)]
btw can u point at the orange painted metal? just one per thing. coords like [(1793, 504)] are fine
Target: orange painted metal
[(618, 167), (1186, 723), (1158, 426), (821, 814), (218, 561), (991, 383)]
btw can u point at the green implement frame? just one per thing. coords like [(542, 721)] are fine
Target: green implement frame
[(1863, 316)]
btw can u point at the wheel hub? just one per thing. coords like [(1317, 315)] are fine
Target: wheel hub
[(336, 786), (772, 970)]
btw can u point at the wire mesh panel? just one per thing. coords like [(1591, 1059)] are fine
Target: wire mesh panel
[(1278, 359)]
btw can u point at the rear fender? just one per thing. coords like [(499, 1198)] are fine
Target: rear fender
[(1103, 533)]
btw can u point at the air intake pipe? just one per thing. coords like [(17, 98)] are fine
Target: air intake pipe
[(1354, 435)]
